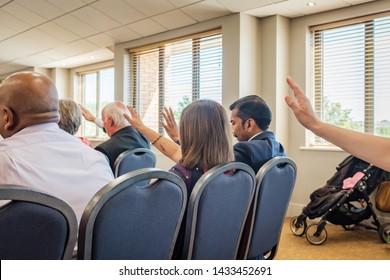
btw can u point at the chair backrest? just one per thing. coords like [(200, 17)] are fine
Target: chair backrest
[(132, 160), (127, 221), (217, 211), (35, 225), (274, 185)]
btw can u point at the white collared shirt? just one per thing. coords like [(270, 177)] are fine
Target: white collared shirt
[(47, 158), (255, 136)]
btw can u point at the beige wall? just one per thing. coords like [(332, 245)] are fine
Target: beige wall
[(274, 69)]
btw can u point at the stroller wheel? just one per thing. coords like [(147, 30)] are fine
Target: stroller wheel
[(315, 237), (384, 233), (298, 228)]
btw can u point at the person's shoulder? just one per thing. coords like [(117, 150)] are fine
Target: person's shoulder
[(105, 143), (244, 150), (101, 147), (97, 154), (264, 136), (124, 133), (3, 145), (243, 145), (269, 137), (131, 135), (98, 161), (180, 170), (127, 129)]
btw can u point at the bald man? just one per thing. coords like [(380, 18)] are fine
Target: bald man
[(35, 152), (122, 135)]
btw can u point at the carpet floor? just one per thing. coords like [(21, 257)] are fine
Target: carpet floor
[(341, 244)]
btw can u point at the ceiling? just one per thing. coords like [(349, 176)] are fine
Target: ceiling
[(70, 33)]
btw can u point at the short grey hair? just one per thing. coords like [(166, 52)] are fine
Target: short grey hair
[(70, 116)]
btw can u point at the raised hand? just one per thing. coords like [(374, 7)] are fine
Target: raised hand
[(87, 114), (134, 119), (301, 106), (169, 124)]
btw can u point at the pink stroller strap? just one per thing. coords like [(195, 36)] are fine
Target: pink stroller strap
[(351, 182)]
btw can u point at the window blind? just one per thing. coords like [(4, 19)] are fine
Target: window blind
[(351, 66), (174, 74)]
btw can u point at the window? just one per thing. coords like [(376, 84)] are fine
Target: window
[(174, 74), (352, 74), (96, 90)]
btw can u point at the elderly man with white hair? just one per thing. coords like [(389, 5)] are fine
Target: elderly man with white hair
[(122, 135)]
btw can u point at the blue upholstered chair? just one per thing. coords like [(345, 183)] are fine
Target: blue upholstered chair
[(274, 185), (35, 225), (217, 210), (127, 221), (134, 159)]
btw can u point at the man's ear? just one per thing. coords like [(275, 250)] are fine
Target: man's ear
[(8, 118), (110, 121), (250, 124)]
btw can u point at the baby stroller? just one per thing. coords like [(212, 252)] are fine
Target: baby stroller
[(344, 200)]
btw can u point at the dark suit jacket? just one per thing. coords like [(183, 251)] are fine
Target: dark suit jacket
[(259, 150), (124, 139)]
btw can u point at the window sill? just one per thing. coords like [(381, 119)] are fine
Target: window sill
[(96, 139), (322, 149)]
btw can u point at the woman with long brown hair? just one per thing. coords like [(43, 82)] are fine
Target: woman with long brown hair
[(205, 139)]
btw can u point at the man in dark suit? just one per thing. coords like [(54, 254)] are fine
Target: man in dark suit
[(122, 135), (250, 119)]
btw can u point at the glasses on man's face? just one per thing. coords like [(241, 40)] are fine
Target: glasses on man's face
[(104, 130)]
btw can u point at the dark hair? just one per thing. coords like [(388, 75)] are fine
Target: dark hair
[(253, 106)]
